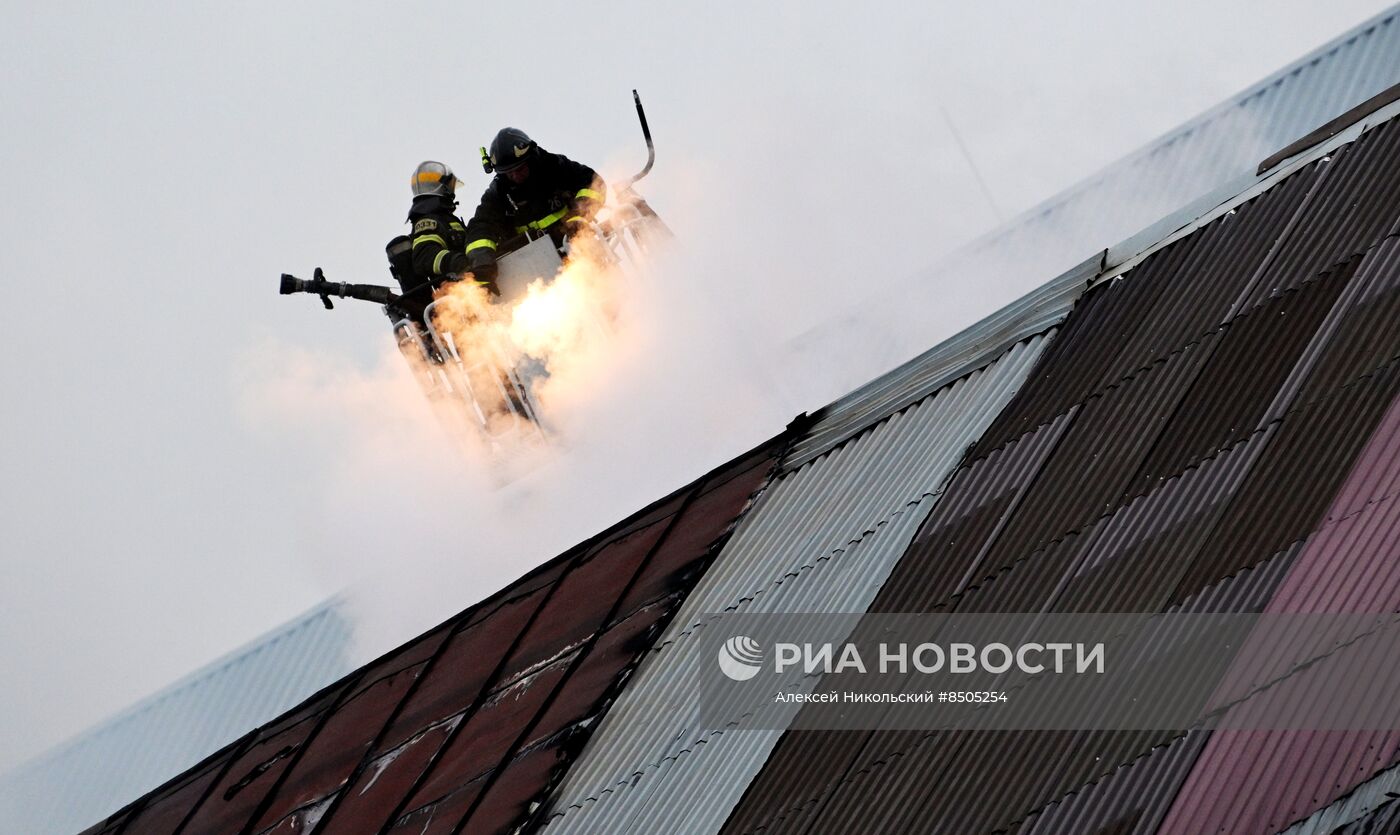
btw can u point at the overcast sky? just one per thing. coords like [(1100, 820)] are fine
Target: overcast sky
[(190, 460)]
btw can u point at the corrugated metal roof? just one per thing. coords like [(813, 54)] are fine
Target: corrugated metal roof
[(466, 726), (822, 539), (1370, 808), (75, 784), (1348, 565), (1383, 821), (1179, 443), (1148, 491)]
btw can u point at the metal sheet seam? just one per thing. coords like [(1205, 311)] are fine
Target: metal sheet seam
[(370, 757), (1356, 804), (236, 752), (1327, 524), (1264, 428), (1204, 722), (825, 557), (694, 744), (493, 680), (1194, 341), (1201, 724), (586, 648), (1074, 792)]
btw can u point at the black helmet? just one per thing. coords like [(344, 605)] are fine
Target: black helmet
[(433, 178), (510, 149)]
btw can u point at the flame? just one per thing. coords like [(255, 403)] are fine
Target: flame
[(559, 323), (559, 318)]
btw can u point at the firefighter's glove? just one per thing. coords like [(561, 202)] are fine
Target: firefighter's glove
[(455, 263)]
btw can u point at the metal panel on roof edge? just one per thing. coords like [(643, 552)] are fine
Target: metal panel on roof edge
[(1363, 800), (822, 538), (1133, 250), (74, 784), (949, 360)]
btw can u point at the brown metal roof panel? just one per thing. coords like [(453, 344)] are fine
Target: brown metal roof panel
[(708, 516), (949, 549), (1071, 366), (1027, 586), (1172, 299), (331, 756), (1231, 251), (1132, 800), (786, 793), (464, 667), (1288, 492), (165, 809), (1364, 334), (940, 782), (1138, 555), (878, 796), (1256, 354), (1197, 280), (239, 792), (485, 737), (1356, 208), (581, 693), (511, 797), (582, 600), (385, 781), (438, 818), (1376, 474), (1091, 467)]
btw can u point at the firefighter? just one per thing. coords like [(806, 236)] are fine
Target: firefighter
[(533, 191), (439, 237)]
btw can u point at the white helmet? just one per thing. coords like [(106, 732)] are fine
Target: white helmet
[(433, 178)]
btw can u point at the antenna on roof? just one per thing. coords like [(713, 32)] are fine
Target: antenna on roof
[(986, 192)]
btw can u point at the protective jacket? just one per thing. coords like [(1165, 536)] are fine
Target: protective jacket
[(557, 194), (439, 237)]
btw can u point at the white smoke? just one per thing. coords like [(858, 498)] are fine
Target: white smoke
[(421, 526)]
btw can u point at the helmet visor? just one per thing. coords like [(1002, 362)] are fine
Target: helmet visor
[(433, 182)]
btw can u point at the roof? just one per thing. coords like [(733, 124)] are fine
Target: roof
[(1207, 420), (823, 538), (74, 784), (467, 724), (1216, 426)]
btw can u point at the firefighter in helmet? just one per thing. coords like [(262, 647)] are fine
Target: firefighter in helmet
[(438, 241), (533, 191)]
